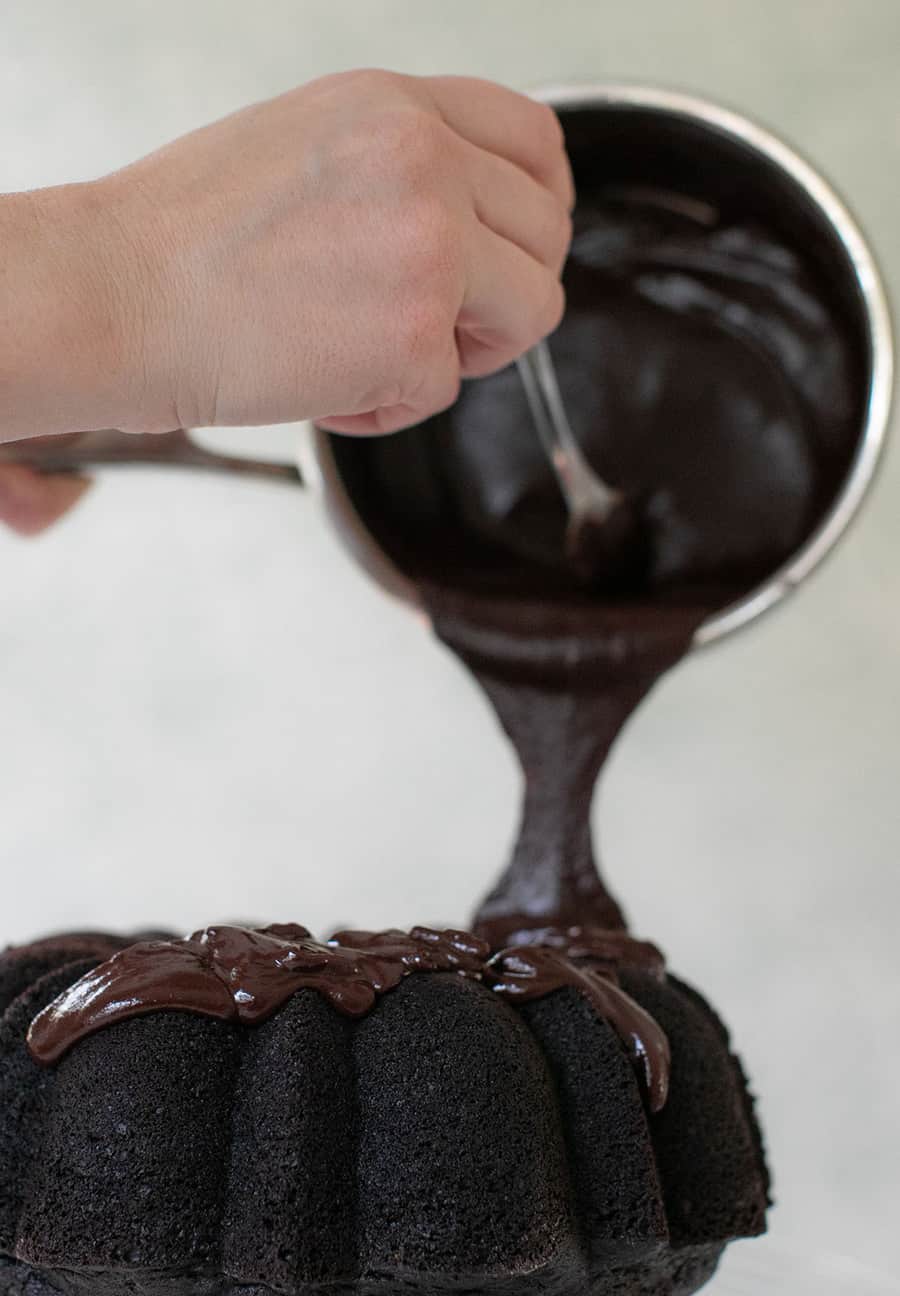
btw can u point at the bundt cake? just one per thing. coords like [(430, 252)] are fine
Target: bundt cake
[(251, 1112)]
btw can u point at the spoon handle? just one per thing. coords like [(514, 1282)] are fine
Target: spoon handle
[(79, 451), (580, 485)]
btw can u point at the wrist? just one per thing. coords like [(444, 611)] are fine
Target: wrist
[(72, 314)]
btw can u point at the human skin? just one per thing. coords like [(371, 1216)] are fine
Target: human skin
[(347, 252)]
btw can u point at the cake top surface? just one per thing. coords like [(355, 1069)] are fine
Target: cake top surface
[(245, 974)]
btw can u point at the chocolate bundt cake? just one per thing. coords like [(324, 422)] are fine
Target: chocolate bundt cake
[(251, 1112)]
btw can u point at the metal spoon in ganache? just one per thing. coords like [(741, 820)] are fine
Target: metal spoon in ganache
[(604, 529)]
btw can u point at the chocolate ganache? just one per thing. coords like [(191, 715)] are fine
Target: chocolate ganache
[(245, 975), (708, 375)]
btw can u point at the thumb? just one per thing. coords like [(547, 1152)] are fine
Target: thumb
[(30, 501)]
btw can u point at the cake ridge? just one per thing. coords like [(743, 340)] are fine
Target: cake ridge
[(450, 1140)]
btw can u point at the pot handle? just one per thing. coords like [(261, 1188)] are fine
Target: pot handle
[(80, 451)]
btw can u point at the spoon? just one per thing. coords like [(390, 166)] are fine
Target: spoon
[(602, 523)]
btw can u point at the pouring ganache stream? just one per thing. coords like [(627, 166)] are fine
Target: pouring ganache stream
[(563, 685)]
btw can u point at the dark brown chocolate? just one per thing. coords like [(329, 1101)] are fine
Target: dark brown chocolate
[(532, 971), (614, 949), (563, 681), (245, 975)]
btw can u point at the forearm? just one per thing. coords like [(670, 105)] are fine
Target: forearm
[(67, 301)]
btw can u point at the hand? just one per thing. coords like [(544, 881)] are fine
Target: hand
[(346, 252)]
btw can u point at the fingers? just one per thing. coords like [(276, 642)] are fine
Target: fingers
[(30, 502), (512, 301), (510, 125), (512, 204)]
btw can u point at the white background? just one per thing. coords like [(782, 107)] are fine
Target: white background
[(205, 711)]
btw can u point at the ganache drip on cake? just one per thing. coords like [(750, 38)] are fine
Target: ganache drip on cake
[(244, 975)]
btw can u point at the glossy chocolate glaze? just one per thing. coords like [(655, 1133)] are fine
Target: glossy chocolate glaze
[(244, 975), (531, 971), (708, 375)]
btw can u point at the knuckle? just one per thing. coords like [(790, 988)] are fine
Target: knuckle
[(436, 386), (370, 79), (544, 318), (548, 128), (408, 143)]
